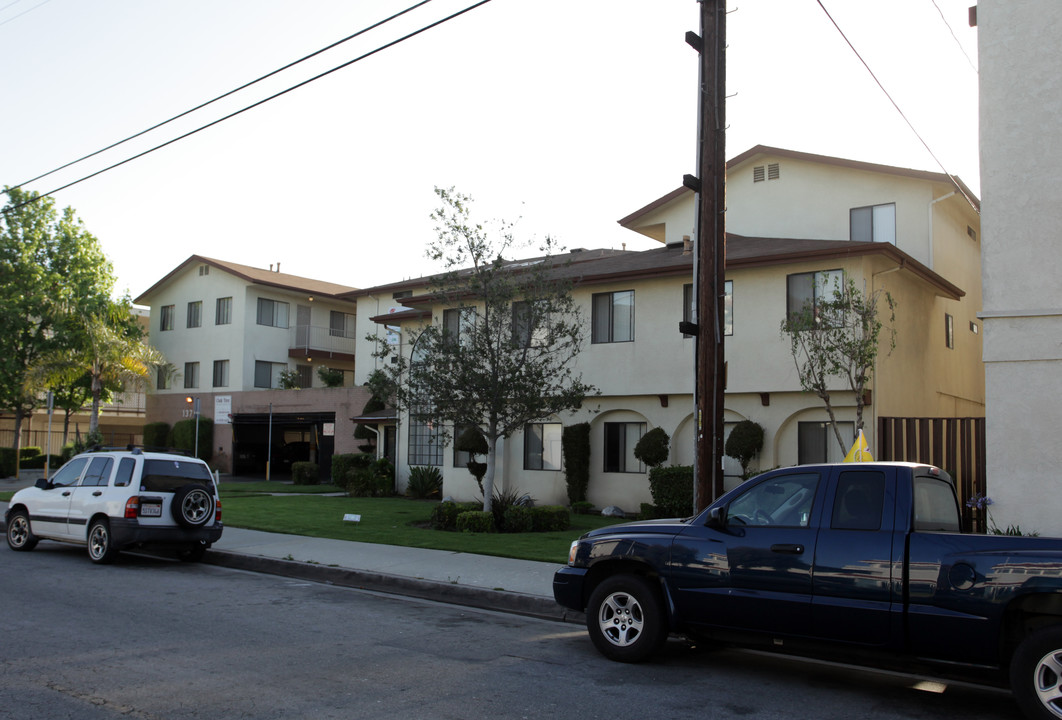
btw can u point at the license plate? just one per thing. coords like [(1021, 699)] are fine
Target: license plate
[(151, 510)]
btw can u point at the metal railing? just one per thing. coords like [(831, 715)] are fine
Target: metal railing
[(316, 339)]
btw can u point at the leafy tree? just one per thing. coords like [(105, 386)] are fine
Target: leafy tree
[(836, 336), (653, 447), (50, 267), (503, 357)]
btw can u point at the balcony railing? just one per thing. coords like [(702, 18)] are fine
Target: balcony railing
[(323, 341)]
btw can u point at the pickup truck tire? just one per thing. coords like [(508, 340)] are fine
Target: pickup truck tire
[(625, 618), (192, 506), (19, 535), (1036, 674)]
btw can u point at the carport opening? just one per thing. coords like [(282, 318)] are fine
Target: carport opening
[(296, 437)]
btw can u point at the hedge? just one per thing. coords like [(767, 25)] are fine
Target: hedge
[(575, 447), (305, 473), (476, 521), (672, 490)]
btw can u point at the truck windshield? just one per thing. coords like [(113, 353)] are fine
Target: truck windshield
[(935, 506)]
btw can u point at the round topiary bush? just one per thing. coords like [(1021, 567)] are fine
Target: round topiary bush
[(745, 441), (653, 448)]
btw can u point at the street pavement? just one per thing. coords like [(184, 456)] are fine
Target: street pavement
[(503, 584)]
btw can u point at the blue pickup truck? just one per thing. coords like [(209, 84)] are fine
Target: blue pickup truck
[(864, 562)]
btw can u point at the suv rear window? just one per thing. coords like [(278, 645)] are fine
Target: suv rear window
[(168, 475)]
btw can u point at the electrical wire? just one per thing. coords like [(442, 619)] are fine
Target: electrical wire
[(958, 185), (225, 95), (953, 36), (24, 12), (252, 106)]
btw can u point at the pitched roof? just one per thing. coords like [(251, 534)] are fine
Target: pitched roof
[(257, 276), (752, 152)]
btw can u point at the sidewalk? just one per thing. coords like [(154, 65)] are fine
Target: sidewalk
[(503, 584)]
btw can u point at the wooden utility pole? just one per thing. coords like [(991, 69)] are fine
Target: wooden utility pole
[(710, 256)]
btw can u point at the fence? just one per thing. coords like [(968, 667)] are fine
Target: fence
[(39, 438), (956, 445)]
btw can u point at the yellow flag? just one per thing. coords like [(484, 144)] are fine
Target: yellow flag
[(860, 451)]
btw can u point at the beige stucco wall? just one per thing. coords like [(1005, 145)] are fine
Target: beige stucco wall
[(1020, 50)]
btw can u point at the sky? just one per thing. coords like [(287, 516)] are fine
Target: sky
[(562, 115)]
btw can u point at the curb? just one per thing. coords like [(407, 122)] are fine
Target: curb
[(482, 598)]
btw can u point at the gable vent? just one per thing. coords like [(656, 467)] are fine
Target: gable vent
[(204, 270), (773, 171), (757, 174)]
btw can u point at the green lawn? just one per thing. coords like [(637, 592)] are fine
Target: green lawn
[(393, 521), (262, 487), (5, 496)]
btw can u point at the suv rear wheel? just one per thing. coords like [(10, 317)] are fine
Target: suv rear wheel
[(193, 506), (101, 549)]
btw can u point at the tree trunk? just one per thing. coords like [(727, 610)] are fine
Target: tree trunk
[(488, 477)]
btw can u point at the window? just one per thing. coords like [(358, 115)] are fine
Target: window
[(613, 317), (530, 328), (620, 439), (810, 289), (304, 376), (223, 311), (542, 446), (949, 331), (166, 318), (191, 375), (163, 375), (125, 472), (340, 324), (425, 442), (195, 314), (783, 501), (68, 474), (98, 473), (267, 374), (272, 313), (817, 443), (458, 324), (859, 500), (935, 507), (875, 223), (221, 373)]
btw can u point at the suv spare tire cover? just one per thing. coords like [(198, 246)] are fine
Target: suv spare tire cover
[(193, 505)]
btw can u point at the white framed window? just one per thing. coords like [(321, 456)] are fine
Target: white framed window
[(166, 317), (620, 439), (191, 375), (340, 324), (195, 314), (221, 373), (873, 223), (817, 443), (458, 324), (803, 289), (542, 446), (267, 374), (272, 313), (612, 317), (223, 311)]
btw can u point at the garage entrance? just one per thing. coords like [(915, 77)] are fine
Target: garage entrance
[(296, 437)]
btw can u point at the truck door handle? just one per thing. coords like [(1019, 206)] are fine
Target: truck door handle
[(787, 548), (66, 494)]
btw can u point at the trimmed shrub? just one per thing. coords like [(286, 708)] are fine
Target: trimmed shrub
[(653, 447), (582, 507), (30, 451), (444, 515), (37, 462), (343, 465), (551, 518), (672, 490), (305, 473), (184, 437), (519, 519), (475, 521), (157, 435), (425, 481), (385, 476), (7, 462), (648, 512), (745, 440), (575, 446)]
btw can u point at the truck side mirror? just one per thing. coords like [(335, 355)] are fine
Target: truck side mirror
[(43, 484), (717, 518)]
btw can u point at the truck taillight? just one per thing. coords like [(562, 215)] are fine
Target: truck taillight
[(132, 508), (217, 511)]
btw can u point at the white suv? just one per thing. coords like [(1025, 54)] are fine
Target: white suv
[(113, 500)]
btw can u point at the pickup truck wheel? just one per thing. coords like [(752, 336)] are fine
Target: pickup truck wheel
[(192, 506), (101, 548), (625, 618), (19, 535), (1036, 674)]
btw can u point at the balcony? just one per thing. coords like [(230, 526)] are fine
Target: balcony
[(313, 341)]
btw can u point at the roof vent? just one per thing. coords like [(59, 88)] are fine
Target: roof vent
[(773, 171), (757, 174)]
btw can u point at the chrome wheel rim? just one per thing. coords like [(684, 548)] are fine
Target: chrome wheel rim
[(98, 541), (1048, 680), (621, 619), (196, 506)]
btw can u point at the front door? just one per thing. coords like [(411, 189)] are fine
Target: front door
[(53, 505), (755, 572)]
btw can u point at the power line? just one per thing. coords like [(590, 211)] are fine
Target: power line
[(24, 12), (958, 185), (225, 95), (953, 36), (254, 105)]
